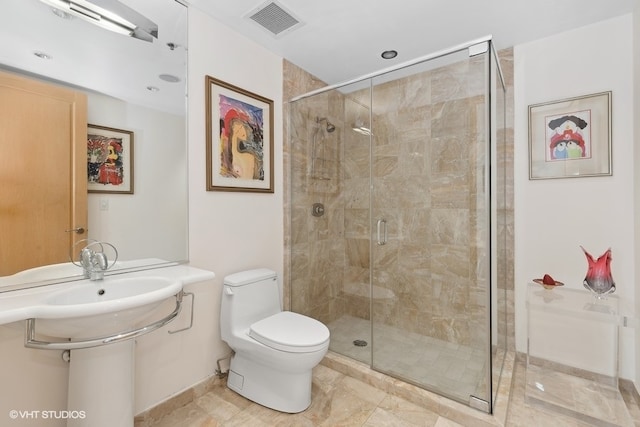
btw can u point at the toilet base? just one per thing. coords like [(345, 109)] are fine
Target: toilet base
[(275, 389)]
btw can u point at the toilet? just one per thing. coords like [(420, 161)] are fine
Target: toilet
[(274, 350)]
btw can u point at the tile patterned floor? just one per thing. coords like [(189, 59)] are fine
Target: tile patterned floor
[(523, 413), (341, 400), (346, 392), (338, 400)]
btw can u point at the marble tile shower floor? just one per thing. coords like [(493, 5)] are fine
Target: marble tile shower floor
[(456, 370)]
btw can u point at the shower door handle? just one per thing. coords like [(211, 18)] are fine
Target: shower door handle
[(382, 231)]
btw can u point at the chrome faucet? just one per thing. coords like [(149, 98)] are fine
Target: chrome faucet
[(93, 263), (93, 260)]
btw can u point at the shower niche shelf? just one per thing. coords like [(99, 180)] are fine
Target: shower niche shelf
[(572, 355)]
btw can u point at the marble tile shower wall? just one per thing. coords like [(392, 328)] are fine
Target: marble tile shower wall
[(318, 245), (427, 188), (428, 144)]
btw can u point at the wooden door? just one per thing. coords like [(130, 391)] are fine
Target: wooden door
[(43, 172)]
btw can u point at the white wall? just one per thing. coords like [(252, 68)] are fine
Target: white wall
[(554, 217), (158, 208), (231, 231)]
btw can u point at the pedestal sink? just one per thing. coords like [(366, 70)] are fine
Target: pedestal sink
[(105, 307), (97, 321)]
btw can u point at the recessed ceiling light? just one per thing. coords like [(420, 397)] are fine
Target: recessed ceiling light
[(153, 89), (169, 78), (389, 54), (43, 55)]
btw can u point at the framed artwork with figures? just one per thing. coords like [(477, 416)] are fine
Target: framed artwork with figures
[(109, 160), (239, 139), (570, 138)]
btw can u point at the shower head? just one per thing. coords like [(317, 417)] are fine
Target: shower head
[(330, 126)]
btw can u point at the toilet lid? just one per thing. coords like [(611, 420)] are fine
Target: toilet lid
[(291, 332)]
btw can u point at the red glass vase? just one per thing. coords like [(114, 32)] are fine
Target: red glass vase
[(598, 279)]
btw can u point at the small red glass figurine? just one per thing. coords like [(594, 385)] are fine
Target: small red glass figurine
[(548, 282), (598, 279)]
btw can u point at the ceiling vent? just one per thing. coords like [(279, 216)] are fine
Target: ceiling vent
[(274, 18)]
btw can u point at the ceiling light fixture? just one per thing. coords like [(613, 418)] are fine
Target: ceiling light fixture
[(389, 54), (111, 15), (153, 89), (169, 78)]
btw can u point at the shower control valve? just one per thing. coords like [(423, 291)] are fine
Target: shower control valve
[(317, 209)]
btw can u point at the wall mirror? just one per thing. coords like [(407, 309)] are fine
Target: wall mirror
[(132, 85)]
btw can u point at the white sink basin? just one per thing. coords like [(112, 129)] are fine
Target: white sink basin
[(110, 306)]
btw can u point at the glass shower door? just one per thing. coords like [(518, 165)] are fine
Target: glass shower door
[(330, 215), (430, 230)]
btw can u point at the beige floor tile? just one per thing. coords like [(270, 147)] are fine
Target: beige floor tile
[(341, 407), (340, 400), (363, 391), (444, 422), (218, 407), (257, 415), (382, 418), (520, 414), (394, 411), (190, 415)]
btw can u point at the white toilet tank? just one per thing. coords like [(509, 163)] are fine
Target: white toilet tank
[(247, 297)]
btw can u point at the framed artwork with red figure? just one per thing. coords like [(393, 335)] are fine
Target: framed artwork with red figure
[(570, 138), (239, 139), (109, 160)]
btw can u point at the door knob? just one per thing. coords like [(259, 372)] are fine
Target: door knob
[(77, 230)]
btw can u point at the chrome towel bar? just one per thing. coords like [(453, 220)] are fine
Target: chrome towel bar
[(193, 303), (31, 341)]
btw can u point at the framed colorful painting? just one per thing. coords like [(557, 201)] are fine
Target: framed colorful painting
[(109, 160), (570, 138), (239, 139)]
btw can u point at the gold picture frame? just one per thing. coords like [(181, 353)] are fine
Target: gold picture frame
[(239, 139)]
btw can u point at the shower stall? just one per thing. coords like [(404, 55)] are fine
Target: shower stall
[(396, 219)]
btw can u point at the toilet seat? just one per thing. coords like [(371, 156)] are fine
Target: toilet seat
[(291, 332)]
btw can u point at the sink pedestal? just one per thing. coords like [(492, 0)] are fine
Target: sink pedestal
[(101, 386)]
